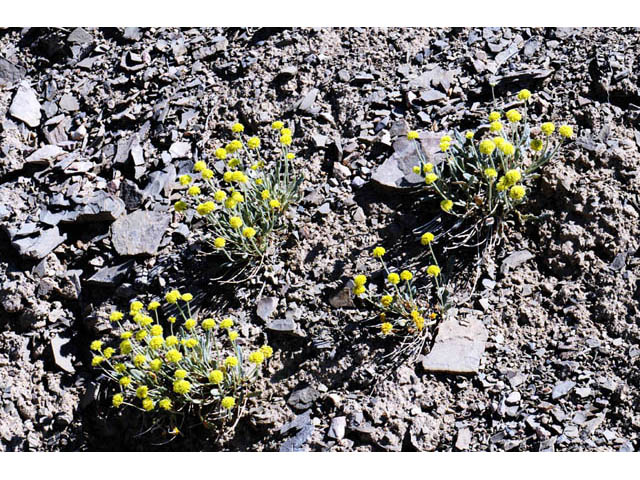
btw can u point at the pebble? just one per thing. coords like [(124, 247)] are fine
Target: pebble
[(139, 233)]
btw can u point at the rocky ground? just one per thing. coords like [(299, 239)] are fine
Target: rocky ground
[(97, 124)]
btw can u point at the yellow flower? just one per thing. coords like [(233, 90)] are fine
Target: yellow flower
[(487, 147), (253, 143), (386, 300), (221, 153), (566, 131), (501, 185), (393, 278), (433, 270), (427, 238), (193, 191), (230, 362), (171, 319), (265, 194), (379, 252), (116, 316), (507, 148), (139, 360), (206, 208), (386, 328), (184, 179), (180, 374), (536, 144), (155, 364), (156, 330), (125, 381), (208, 324), (495, 126), (190, 324), (219, 242), (142, 391), (156, 342), (125, 347), (96, 345), (190, 342), (416, 169), (136, 306), (126, 335), (148, 404), (430, 178), (512, 177), (517, 192), (220, 195), (226, 323), (165, 404), (172, 297), (291, 156), (180, 206), (524, 94), (108, 352), (413, 135), (117, 400), (256, 357), (286, 131), (228, 403), (547, 128), (120, 367), (249, 232), (235, 222), (513, 115), (469, 135), (267, 351), (359, 290), (446, 205), (181, 387), (153, 306), (493, 116), (406, 275), (427, 167), (207, 174), (233, 147), (173, 355), (171, 341), (419, 322), (216, 376), (230, 203), (145, 320), (490, 173), (277, 125), (233, 335), (286, 139), (228, 176), (444, 146), (237, 128), (199, 166), (238, 176), (187, 297), (274, 204), (359, 280), (97, 361)]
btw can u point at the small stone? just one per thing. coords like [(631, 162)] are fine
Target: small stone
[(337, 428), (40, 246), (132, 33), (80, 36), (343, 298), (297, 423), (285, 325), (180, 150), (305, 104), (287, 73), (111, 275), (266, 306), (44, 155), (139, 233), (10, 73), (69, 103), (61, 354), (562, 388), (515, 259), (457, 348), (463, 439), (101, 206), (303, 398), (513, 398), (25, 105)]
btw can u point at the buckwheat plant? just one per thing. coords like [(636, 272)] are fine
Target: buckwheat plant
[(248, 203), (402, 309), (179, 368), (484, 179)]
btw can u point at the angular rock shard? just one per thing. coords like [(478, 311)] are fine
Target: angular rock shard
[(139, 233), (25, 105)]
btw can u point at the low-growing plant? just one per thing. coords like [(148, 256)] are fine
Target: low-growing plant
[(247, 204), (487, 174), (402, 305), (196, 370)]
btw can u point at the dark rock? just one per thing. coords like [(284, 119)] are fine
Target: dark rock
[(139, 233), (295, 443), (297, 423), (112, 275), (303, 398), (101, 206), (40, 246), (515, 259)]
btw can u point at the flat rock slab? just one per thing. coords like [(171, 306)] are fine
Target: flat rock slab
[(44, 155), (397, 171), (40, 246), (457, 349), (139, 233), (25, 105), (10, 73)]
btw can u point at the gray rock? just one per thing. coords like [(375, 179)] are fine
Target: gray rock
[(305, 104), (286, 325), (457, 349), (295, 443), (297, 423), (69, 103), (61, 354), (337, 428), (161, 182), (25, 105), (101, 206), (287, 73), (10, 73), (40, 246), (132, 33), (340, 171), (463, 439), (139, 233), (397, 171), (303, 398), (266, 306), (180, 150), (431, 96), (80, 36), (515, 259), (44, 155), (562, 388), (111, 275), (343, 298)]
